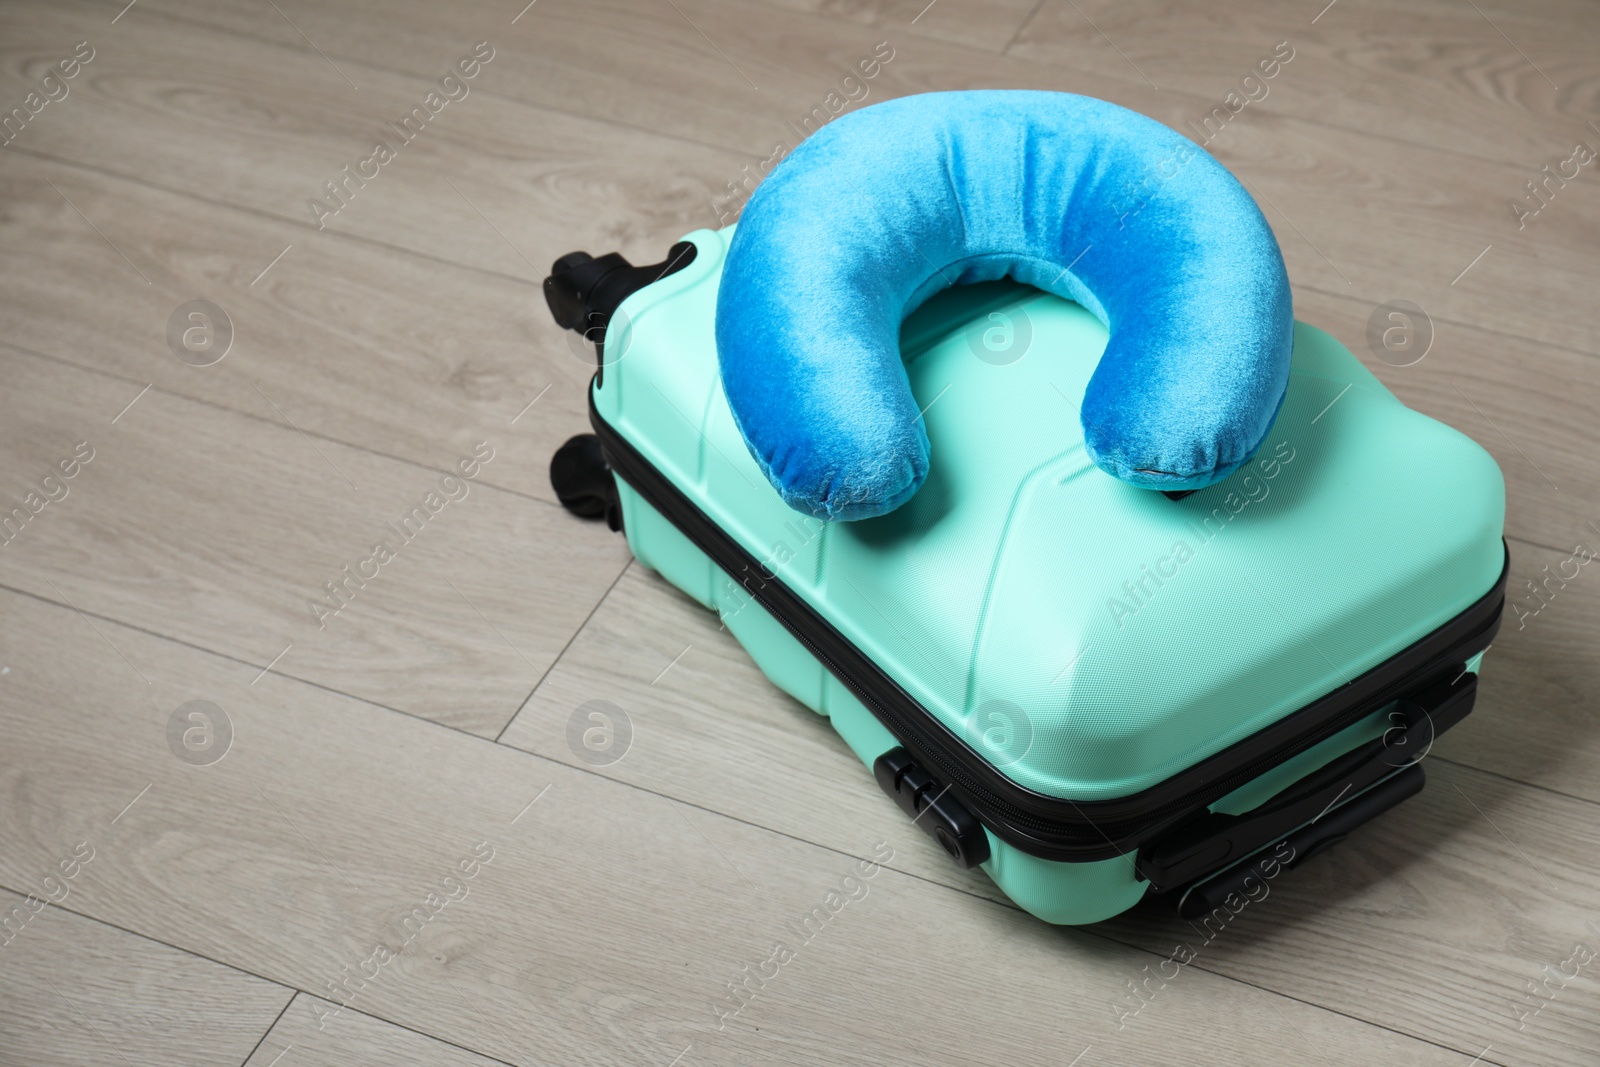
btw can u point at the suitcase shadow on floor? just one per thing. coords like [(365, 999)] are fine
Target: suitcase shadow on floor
[(1536, 719), (1429, 863), (1440, 856)]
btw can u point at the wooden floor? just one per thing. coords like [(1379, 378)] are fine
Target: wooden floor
[(401, 858)]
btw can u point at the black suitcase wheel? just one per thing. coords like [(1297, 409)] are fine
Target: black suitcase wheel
[(582, 480)]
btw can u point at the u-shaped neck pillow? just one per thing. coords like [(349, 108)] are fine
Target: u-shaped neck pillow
[(885, 206)]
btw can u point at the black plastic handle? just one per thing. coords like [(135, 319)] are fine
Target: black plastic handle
[(1310, 840), (584, 291), (1214, 840)]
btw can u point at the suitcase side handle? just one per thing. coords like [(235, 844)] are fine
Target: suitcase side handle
[(1214, 840), (1214, 892)]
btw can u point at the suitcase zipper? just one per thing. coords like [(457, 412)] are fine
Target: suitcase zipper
[(1057, 828)]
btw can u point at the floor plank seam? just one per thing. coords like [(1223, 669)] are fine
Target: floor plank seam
[(657, 793), (517, 279), (822, 18), (550, 760), (231, 658), (285, 986), (582, 626), (536, 105), (1089, 931), (1300, 1000), (414, 464), (792, 837), (1534, 544), (1027, 19), (404, 251), (101, 372), (260, 213), (632, 785), (1489, 330), (1515, 781), (293, 993), (1425, 922), (556, 662)]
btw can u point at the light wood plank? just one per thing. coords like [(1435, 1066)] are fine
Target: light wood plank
[(411, 328), (705, 731), (1353, 215), (398, 354), (1529, 404), (75, 991), (224, 530), (182, 106), (1423, 215), (354, 1038), (530, 479), (744, 73), (1535, 717), (990, 25), (1428, 72), (430, 406), (605, 923), (1249, 150), (694, 699), (1467, 891)]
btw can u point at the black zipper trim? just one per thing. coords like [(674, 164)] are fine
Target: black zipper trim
[(1052, 827)]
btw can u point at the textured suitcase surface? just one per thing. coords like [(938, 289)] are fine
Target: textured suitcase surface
[(1077, 639)]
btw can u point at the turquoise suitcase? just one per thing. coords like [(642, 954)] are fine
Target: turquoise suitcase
[(1092, 691)]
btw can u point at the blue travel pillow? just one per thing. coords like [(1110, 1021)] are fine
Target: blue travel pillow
[(886, 206)]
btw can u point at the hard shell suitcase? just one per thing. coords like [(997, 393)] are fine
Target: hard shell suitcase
[(1092, 691)]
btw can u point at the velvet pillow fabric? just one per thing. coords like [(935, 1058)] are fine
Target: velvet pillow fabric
[(885, 206)]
